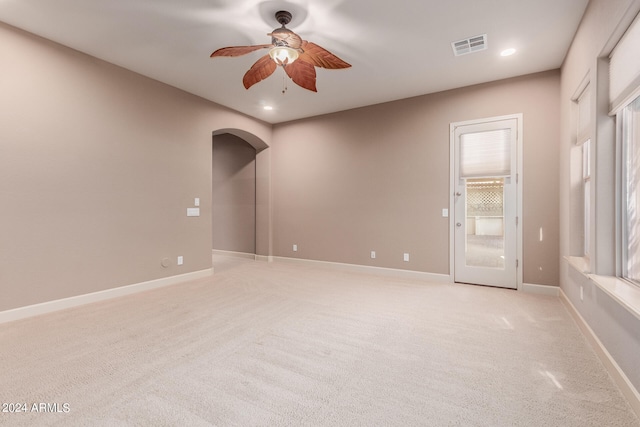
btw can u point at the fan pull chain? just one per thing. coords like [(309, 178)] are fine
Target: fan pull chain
[(284, 82)]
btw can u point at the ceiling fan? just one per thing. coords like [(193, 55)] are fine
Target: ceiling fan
[(296, 56)]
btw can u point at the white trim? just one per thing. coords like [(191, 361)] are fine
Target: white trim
[(64, 303), (532, 288), (394, 272), (619, 377), (519, 189), (245, 255), (452, 198), (624, 293), (621, 291), (619, 198), (519, 197), (581, 87), (234, 254), (580, 264)]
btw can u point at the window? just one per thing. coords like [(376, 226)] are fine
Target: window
[(586, 190), (629, 118), (583, 142), (624, 97)]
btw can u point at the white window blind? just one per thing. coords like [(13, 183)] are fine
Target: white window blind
[(624, 68), (584, 115), (484, 154)]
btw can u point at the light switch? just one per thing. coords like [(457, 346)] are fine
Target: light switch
[(196, 201), (193, 211), (445, 213)]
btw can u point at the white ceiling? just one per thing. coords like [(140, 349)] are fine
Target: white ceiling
[(398, 49)]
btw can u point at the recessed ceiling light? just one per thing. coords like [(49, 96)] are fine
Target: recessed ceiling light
[(508, 52), (268, 107)]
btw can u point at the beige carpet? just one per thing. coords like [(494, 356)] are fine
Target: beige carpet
[(283, 344)]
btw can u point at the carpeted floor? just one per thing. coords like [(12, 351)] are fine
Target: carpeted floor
[(282, 344)]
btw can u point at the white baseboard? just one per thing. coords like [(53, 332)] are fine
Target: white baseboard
[(395, 272), (234, 254), (619, 377), (245, 255), (531, 288), (61, 304)]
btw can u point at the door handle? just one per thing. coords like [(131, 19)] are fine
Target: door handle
[(458, 194), (458, 224)]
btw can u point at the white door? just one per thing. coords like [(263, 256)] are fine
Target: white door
[(485, 203)]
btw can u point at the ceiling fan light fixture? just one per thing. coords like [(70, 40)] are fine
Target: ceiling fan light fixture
[(286, 46), (283, 55)]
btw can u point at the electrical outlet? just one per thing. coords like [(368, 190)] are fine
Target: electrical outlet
[(295, 248), (373, 254), (406, 257), (180, 260)]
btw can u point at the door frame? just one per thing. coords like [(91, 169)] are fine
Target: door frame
[(520, 179)]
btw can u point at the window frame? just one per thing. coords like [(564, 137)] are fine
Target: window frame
[(582, 101), (586, 190), (623, 135)]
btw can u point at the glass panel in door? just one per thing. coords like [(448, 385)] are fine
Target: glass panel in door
[(484, 239)]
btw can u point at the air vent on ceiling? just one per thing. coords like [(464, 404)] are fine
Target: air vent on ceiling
[(470, 45)]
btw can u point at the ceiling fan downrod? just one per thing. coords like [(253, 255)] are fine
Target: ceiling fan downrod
[(283, 17)]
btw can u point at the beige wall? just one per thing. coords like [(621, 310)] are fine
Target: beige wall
[(97, 168), (234, 194), (616, 327), (377, 178)]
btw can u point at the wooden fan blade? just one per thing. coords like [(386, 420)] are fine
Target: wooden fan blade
[(238, 50), (303, 74), (259, 71), (320, 57)]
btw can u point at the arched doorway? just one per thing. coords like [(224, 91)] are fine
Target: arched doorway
[(241, 214), (233, 198)]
